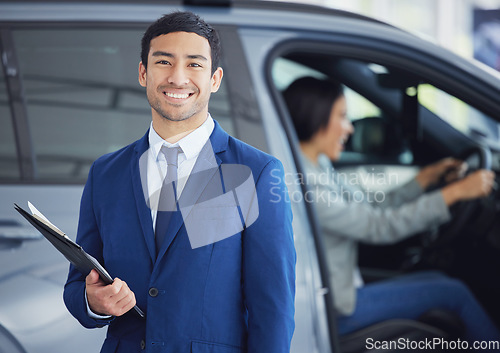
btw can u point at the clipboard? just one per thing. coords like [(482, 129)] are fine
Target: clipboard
[(73, 252)]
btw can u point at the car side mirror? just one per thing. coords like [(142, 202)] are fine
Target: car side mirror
[(373, 136), (369, 136)]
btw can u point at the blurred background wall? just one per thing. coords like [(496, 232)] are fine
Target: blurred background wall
[(470, 28)]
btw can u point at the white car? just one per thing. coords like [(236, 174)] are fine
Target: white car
[(69, 93)]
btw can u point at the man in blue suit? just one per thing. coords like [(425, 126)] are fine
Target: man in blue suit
[(215, 272)]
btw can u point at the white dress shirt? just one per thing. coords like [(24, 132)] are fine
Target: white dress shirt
[(191, 146)]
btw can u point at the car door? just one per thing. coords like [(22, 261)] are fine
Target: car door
[(411, 103)]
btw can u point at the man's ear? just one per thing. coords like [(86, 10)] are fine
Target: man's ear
[(142, 74), (217, 79)]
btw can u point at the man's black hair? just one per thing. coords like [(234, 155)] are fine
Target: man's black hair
[(310, 102), (182, 22)]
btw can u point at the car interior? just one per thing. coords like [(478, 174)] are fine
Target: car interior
[(404, 121)]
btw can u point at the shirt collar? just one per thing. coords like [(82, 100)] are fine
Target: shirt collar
[(191, 144)]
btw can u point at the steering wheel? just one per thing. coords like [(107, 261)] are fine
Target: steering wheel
[(462, 212)]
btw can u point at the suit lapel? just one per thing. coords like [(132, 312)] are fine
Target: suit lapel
[(139, 182)]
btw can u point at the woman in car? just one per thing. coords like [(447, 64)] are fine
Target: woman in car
[(318, 110)]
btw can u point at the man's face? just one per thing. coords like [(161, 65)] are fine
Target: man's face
[(178, 79)]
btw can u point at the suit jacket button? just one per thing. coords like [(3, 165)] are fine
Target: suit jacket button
[(153, 292), (143, 345)]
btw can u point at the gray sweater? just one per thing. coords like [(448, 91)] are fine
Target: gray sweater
[(347, 217)]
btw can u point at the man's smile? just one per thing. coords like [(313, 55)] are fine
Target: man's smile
[(178, 95)]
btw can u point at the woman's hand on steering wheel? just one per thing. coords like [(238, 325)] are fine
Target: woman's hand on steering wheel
[(475, 185), (443, 171)]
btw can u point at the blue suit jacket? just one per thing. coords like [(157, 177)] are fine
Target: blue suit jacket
[(234, 295)]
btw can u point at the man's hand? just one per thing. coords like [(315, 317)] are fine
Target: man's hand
[(112, 299), (449, 168), (475, 185)]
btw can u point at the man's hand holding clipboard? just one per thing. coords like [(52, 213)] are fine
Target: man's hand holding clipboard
[(99, 284)]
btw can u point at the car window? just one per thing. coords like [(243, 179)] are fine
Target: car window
[(457, 113), (449, 108), (286, 71), (370, 132), (359, 107), (9, 169), (83, 96)]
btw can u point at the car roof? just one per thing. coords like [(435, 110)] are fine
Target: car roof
[(262, 5), (17, 10), (269, 15), (244, 14)]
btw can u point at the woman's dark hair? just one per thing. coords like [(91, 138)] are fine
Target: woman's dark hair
[(310, 102), (182, 22)]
